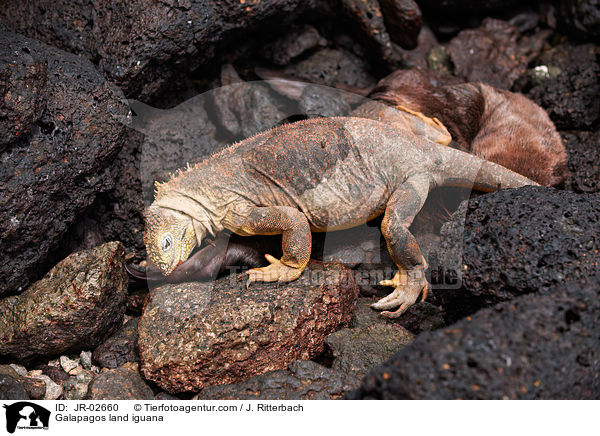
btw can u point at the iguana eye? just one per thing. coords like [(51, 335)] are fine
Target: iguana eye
[(166, 243)]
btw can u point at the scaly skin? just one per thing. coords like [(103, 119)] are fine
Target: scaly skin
[(316, 175)]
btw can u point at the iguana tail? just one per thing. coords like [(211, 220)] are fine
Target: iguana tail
[(486, 176)]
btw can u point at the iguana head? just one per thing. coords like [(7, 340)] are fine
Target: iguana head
[(169, 237)]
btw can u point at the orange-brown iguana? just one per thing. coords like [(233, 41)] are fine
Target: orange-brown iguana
[(319, 174)]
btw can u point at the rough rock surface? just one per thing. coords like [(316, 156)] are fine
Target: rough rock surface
[(244, 108), (570, 98), (583, 149), (75, 306), (297, 41), (534, 347), (76, 387), (518, 241), (144, 47), (581, 18), (368, 341), (323, 101), (303, 380), (11, 388), (490, 54), (119, 348), (172, 138), (370, 17), (67, 127), (332, 67), (196, 334), (123, 383)]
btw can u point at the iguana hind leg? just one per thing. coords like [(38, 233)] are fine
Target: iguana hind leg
[(409, 282), (296, 241)]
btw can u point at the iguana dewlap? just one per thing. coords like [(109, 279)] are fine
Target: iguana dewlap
[(320, 174)]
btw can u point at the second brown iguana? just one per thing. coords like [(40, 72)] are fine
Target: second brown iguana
[(315, 175)]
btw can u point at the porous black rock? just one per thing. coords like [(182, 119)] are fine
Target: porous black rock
[(581, 18), (534, 347), (583, 149), (571, 96), (120, 348), (302, 380), (60, 152), (145, 48), (517, 241), (123, 383)]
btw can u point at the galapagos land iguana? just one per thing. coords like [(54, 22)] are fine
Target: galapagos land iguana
[(319, 175)]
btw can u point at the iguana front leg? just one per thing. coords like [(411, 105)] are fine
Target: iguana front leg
[(296, 241), (410, 279)]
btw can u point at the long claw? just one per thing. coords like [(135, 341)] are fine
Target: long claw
[(397, 313)]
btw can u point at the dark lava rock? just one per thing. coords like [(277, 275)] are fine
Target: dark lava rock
[(370, 18), (74, 307), (518, 241), (172, 138), (146, 47), (57, 374), (403, 20), (196, 334), (60, 157), (22, 95), (303, 380), (323, 101), (583, 149), (35, 387), (332, 67), (77, 387), (369, 341), (244, 108), (11, 389), (297, 41), (581, 18), (490, 54), (571, 97), (119, 348), (123, 383), (534, 347), (422, 317)]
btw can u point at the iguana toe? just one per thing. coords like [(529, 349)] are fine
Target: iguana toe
[(407, 288), (277, 271)]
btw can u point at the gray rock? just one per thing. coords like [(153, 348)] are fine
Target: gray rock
[(196, 334), (79, 303), (303, 380), (123, 383), (369, 341)]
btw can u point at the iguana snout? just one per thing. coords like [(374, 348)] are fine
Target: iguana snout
[(169, 237)]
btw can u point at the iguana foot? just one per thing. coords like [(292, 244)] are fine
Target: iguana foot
[(277, 271), (407, 287)]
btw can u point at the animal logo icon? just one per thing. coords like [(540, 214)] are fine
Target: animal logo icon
[(24, 414)]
